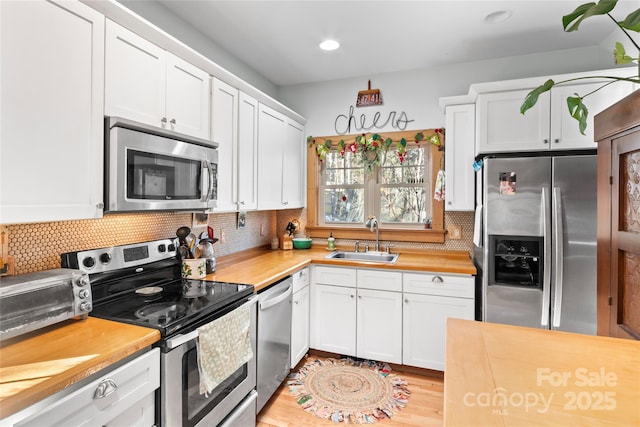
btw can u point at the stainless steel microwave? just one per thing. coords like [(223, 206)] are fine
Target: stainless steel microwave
[(154, 169)]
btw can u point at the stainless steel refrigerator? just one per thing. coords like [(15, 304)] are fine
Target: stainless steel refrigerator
[(539, 242)]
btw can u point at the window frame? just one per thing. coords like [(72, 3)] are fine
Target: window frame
[(387, 232)]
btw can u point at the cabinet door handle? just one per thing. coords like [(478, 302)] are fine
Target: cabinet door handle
[(546, 141), (105, 388), (557, 140), (351, 295), (173, 121), (406, 301), (163, 120)]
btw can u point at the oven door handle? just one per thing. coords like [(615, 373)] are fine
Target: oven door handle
[(181, 339)]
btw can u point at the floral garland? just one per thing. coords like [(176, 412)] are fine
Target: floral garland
[(371, 149)]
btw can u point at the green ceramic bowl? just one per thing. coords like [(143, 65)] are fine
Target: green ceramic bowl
[(301, 243)]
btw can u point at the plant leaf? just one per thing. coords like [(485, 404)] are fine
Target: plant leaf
[(327, 144), (578, 111), (632, 21), (572, 21), (532, 97), (620, 56)]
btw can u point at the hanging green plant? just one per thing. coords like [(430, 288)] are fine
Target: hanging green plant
[(372, 149)]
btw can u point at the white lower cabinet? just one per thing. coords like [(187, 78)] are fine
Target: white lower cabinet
[(379, 325), (334, 319), (351, 320), (118, 397), (429, 300), (300, 316), (387, 316)]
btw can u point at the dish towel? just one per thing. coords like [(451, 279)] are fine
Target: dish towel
[(223, 346), (439, 191)]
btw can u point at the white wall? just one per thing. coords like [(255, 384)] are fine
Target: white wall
[(163, 18), (417, 92)]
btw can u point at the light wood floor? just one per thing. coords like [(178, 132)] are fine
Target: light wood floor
[(425, 407)]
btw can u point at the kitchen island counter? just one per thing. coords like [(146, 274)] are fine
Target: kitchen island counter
[(44, 362), (262, 267), (502, 375)]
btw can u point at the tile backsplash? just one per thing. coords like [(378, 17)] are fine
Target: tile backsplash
[(37, 247)]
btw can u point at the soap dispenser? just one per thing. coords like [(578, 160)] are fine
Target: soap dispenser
[(331, 242)]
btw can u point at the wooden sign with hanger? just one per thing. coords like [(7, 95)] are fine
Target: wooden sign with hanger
[(369, 97)]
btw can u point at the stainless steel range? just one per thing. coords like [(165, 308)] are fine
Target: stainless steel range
[(141, 284)]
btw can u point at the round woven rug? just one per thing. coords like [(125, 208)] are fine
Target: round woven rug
[(348, 391)]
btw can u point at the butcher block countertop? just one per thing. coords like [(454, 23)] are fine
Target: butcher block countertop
[(45, 362), (56, 357), (500, 375), (262, 267)]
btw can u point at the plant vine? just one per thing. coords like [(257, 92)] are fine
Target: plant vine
[(371, 148)]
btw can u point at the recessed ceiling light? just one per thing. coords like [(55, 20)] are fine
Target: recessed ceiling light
[(329, 45), (498, 16)]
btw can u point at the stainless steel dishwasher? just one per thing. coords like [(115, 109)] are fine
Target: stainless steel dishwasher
[(274, 338)]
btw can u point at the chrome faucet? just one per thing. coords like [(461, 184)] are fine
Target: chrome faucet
[(371, 223)]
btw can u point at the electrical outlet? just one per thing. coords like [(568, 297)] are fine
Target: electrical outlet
[(262, 229), (455, 232), (223, 235)]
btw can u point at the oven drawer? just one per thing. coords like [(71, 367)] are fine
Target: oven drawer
[(123, 396)]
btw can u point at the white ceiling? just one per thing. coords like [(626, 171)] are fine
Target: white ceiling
[(279, 39)]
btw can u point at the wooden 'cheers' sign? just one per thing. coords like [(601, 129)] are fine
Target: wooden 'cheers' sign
[(369, 97)]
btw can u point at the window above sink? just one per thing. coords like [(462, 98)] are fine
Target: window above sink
[(341, 192)]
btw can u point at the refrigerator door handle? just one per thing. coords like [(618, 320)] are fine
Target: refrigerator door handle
[(546, 281), (558, 232)]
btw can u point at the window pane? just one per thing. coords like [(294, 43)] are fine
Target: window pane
[(403, 204), (411, 171), (344, 205), (339, 171)]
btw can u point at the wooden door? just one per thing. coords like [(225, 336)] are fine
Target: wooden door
[(625, 238), (617, 130)]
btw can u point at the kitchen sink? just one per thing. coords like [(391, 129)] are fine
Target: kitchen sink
[(369, 256)]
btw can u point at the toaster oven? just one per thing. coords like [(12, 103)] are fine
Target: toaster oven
[(36, 300)]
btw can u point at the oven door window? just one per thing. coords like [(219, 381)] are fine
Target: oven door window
[(153, 176), (196, 405)]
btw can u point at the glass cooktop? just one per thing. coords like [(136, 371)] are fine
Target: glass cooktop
[(172, 306)]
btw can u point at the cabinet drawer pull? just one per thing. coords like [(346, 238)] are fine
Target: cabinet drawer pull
[(437, 279), (546, 141), (406, 301), (105, 388)]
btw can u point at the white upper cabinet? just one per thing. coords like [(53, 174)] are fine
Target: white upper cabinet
[(148, 84), (548, 125), (51, 103), (564, 128), (247, 161), (281, 165), (234, 126), (294, 163), (501, 127), (224, 131), (459, 148)]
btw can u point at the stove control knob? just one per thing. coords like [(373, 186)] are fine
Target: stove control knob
[(85, 306), (83, 281), (84, 293), (162, 248), (89, 262), (171, 247), (105, 258)]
